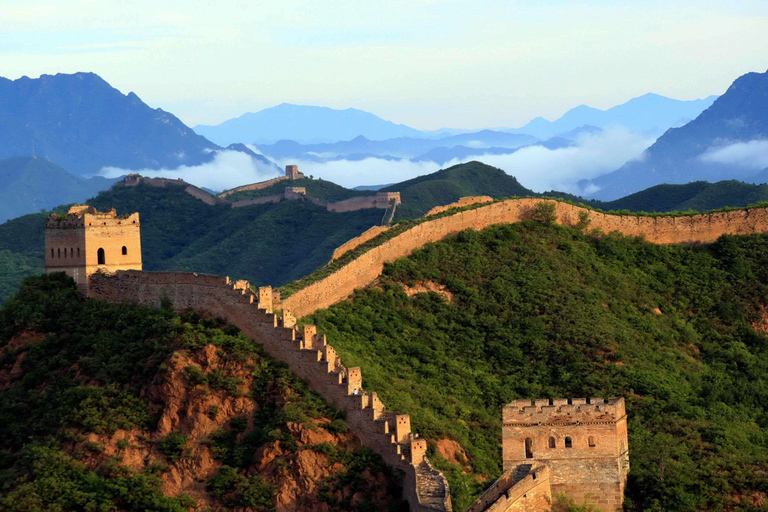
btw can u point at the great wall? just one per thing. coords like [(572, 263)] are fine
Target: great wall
[(548, 446), (387, 201), (308, 355), (364, 269)]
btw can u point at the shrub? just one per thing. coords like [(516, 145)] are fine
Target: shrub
[(173, 445)]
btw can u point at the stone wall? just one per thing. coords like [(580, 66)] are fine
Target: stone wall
[(584, 445), (380, 200), (307, 354), (524, 490), (133, 180), (254, 186), (363, 270), (357, 241), (464, 201), (73, 243)]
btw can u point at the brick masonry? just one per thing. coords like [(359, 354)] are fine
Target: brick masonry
[(583, 443), (307, 354), (665, 230), (87, 241)]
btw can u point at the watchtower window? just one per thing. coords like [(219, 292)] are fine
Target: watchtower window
[(58, 253), (552, 442), (568, 442), (102, 258), (125, 250), (78, 252), (591, 441), (71, 252), (52, 255), (528, 448)]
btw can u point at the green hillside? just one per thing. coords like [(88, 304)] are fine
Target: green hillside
[(535, 311), (699, 196), (446, 186), (319, 189), (88, 391), (266, 244)]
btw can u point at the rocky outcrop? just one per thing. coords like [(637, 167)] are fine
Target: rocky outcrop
[(308, 355)]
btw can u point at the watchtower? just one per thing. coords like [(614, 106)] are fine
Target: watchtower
[(584, 445), (86, 241), (292, 172)]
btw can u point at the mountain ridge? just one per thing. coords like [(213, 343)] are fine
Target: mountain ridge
[(739, 115)]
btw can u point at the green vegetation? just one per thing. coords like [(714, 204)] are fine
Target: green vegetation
[(541, 310), (699, 196), (266, 244), (446, 186), (72, 368), (319, 189)]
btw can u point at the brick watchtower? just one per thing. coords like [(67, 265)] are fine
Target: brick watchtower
[(87, 241), (292, 172), (584, 445)]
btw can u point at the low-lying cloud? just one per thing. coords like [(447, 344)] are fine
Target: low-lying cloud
[(228, 169), (752, 155), (535, 167)]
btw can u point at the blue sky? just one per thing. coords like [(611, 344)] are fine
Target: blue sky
[(426, 63)]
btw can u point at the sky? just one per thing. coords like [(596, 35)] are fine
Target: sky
[(425, 63)]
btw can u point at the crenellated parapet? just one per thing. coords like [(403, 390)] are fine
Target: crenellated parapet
[(308, 355), (561, 411)]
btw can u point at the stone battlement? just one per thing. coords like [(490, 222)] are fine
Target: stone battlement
[(560, 411), (360, 272), (308, 355)]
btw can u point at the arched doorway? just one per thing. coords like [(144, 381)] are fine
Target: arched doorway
[(528, 448), (102, 257)]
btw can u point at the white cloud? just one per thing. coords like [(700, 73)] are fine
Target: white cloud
[(748, 155), (228, 169), (542, 169), (536, 167)]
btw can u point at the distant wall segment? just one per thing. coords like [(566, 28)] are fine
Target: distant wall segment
[(662, 229)]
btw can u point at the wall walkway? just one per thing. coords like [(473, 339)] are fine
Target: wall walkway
[(307, 354), (664, 230)]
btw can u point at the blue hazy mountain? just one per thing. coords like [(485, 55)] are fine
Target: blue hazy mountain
[(82, 124), (31, 184), (460, 154), (397, 148), (304, 124), (683, 154), (650, 113)]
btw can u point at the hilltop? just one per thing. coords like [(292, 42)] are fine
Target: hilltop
[(465, 325), (421, 194), (130, 408)]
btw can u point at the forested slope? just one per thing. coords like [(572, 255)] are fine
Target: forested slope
[(266, 244), (535, 311), (107, 407)]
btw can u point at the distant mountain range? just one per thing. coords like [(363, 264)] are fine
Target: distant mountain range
[(398, 148), (82, 124), (304, 124), (650, 114), (729, 140), (32, 184), (310, 125)]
